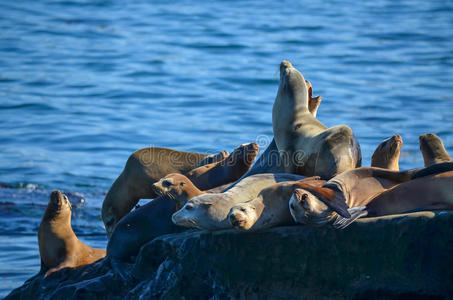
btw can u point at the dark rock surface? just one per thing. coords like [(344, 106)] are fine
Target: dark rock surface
[(398, 257)]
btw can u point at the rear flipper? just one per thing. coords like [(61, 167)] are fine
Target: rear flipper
[(355, 212), (434, 170)]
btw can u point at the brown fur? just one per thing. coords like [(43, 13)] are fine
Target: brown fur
[(142, 169), (181, 188), (387, 154), (433, 150), (59, 247)]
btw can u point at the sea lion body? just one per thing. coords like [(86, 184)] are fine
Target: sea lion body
[(268, 209), (59, 247), (309, 146), (225, 171), (140, 226), (210, 211), (373, 192), (270, 161), (433, 150)]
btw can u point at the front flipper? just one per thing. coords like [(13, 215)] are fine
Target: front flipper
[(355, 212)]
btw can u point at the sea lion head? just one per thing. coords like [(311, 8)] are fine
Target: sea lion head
[(203, 212), (242, 216), (307, 208), (387, 154), (59, 205), (246, 153), (174, 187), (433, 150), (292, 85)]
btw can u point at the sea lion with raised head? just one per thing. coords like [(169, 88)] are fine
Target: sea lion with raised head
[(177, 187), (143, 168), (210, 211), (269, 161), (310, 147), (59, 247), (433, 150), (387, 154), (373, 192)]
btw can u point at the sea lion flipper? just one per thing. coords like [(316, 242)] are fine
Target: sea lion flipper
[(339, 205), (434, 169), (355, 212)]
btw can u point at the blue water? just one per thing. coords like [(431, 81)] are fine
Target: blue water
[(85, 83)]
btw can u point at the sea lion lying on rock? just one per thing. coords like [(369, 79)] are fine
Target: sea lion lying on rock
[(309, 147), (210, 211), (59, 247), (373, 192), (148, 165), (271, 207)]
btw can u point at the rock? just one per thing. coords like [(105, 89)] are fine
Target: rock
[(391, 257)]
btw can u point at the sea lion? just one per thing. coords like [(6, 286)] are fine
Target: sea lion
[(209, 211), (433, 150), (269, 208), (142, 169), (225, 171), (387, 154), (177, 187), (373, 192), (310, 147), (59, 247), (269, 161)]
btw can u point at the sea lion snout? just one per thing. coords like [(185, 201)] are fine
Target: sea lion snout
[(236, 219), (58, 198), (285, 65)]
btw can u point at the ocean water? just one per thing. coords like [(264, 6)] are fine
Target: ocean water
[(85, 83)]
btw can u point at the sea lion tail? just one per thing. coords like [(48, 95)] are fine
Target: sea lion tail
[(434, 170), (355, 212)]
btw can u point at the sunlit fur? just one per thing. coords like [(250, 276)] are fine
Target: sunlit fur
[(387, 154), (310, 211), (171, 186), (242, 216), (200, 213)]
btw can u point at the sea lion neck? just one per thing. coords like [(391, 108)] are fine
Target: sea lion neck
[(190, 190)]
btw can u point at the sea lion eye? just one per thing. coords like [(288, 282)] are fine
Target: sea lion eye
[(182, 183), (304, 197), (189, 207), (242, 209), (166, 183)]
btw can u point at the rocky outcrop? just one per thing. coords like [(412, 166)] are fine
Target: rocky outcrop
[(393, 257)]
